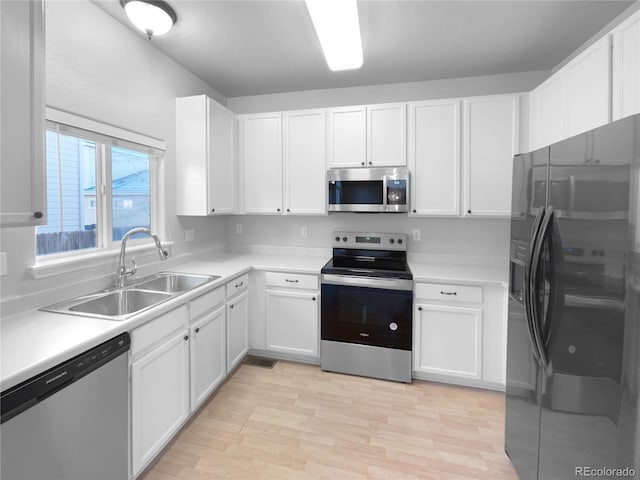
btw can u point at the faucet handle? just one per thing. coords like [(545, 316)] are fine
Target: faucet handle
[(134, 269)]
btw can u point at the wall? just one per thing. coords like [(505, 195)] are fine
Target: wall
[(396, 92), (98, 68)]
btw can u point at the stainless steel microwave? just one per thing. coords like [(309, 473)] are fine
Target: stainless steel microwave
[(368, 190)]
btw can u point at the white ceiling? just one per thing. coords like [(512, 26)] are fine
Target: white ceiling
[(258, 47)]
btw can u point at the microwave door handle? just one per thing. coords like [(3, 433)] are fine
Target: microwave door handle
[(572, 193), (385, 190)]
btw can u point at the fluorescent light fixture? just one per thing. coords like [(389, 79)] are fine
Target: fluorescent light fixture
[(338, 29), (153, 17)]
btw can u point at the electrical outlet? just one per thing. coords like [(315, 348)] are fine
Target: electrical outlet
[(189, 235), (3, 263), (239, 228), (304, 231), (416, 234)]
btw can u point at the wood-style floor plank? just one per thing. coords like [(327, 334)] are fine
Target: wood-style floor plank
[(296, 422)]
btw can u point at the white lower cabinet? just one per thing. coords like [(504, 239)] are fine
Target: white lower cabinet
[(459, 334), (292, 322), (448, 341), (208, 355), (159, 397), (237, 329)]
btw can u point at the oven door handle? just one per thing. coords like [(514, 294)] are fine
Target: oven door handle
[(367, 282)]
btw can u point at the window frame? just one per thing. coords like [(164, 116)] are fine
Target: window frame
[(106, 136)]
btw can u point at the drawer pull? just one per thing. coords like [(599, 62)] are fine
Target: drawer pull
[(186, 337), (230, 306), (239, 284), (448, 293), (198, 330), (291, 281)]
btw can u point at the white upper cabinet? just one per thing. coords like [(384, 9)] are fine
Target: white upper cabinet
[(434, 157), (549, 111), (261, 163), (368, 136), (490, 139), (205, 142), (575, 99), (305, 162), (23, 191), (347, 137), (387, 135), (589, 88), (626, 68)]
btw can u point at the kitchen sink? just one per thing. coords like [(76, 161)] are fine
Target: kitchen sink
[(174, 282), (121, 303)]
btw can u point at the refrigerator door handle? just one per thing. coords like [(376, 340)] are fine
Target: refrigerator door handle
[(533, 287), (529, 314)]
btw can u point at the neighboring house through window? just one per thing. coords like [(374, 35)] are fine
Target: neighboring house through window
[(98, 188)]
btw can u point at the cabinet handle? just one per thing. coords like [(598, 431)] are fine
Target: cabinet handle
[(291, 281), (213, 209), (448, 293), (198, 330), (313, 298), (468, 211), (239, 284), (278, 209), (230, 306), (362, 163), (414, 210), (186, 337), (38, 214), (370, 163), (419, 309), (288, 210)]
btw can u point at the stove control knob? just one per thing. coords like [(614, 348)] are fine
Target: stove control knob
[(344, 239), (337, 239), (400, 241), (391, 240)]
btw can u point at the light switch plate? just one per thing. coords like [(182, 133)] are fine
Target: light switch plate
[(416, 234), (3, 263), (304, 231), (239, 228), (189, 235)]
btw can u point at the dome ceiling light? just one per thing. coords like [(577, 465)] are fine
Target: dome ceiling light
[(153, 17)]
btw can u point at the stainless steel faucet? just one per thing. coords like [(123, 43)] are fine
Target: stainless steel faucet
[(122, 273)]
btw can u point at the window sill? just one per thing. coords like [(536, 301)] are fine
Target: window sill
[(51, 267)]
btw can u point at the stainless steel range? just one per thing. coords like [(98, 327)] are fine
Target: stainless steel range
[(366, 316)]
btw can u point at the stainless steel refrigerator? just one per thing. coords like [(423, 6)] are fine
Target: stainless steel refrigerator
[(573, 345)]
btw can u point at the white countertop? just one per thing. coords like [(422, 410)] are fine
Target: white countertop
[(34, 341)]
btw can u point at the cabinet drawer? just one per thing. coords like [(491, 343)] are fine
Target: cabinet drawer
[(206, 302), (449, 293), (237, 285), (292, 280), (156, 330)]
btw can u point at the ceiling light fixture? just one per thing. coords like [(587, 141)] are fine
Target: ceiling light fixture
[(338, 29), (153, 17)]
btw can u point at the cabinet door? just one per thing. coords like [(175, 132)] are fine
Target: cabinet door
[(305, 162), (549, 111), (237, 330), (434, 157), (222, 124), (626, 68), (261, 163), (387, 135), (23, 191), (448, 341), (292, 322), (347, 137), (159, 398), (208, 355), (490, 140), (589, 88)]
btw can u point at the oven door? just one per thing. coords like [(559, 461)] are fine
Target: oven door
[(367, 311)]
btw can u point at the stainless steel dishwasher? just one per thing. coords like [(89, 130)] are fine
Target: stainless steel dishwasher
[(70, 422)]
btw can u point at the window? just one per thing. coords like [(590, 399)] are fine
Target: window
[(98, 188)]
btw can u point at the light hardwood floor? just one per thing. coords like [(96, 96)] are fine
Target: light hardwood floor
[(296, 422)]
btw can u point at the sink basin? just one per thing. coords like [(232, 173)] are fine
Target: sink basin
[(120, 302), (174, 282)]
